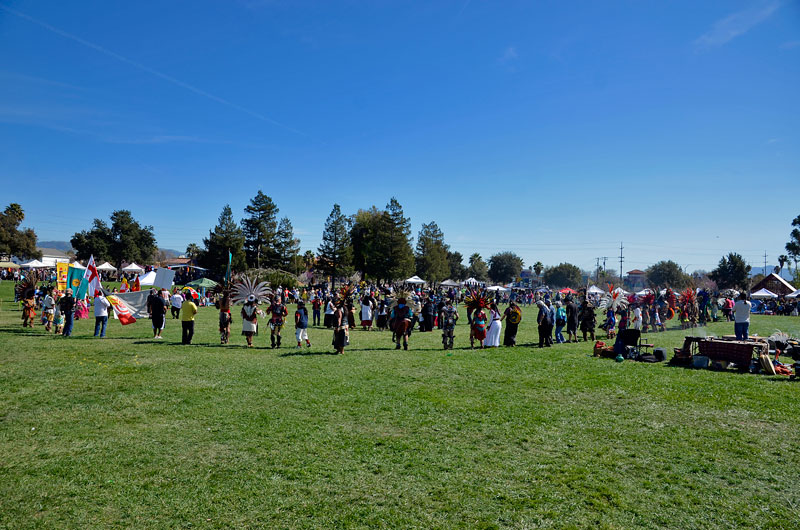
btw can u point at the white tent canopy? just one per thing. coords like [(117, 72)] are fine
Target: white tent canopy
[(33, 264), (794, 294), (415, 280), (106, 267), (644, 292), (763, 294), (133, 267), (148, 279), (76, 265), (449, 283), (595, 290), (498, 288), (471, 281), (622, 291)]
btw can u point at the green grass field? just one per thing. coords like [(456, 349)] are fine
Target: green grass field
[(130, 432)]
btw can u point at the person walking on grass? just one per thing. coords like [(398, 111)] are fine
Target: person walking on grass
[(301, 324), (176, 301), (188, 312), (101, 306), (340, 327), (157, 310), (67, 307), (741, 317), (250, 312)]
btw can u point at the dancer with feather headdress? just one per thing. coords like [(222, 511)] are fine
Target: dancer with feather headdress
[(341, 333), (26, 292), (250, 292), (401, 318), (476, 302), (614, 300)]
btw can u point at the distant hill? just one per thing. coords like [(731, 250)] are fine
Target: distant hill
[(785, 274), (171, 253), (63, 246)]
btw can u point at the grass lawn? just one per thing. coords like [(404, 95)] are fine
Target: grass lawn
[(127, 431)]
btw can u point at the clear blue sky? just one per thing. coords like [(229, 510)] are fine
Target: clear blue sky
[(554, 129)]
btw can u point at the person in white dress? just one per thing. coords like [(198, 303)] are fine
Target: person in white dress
[(366, 313), (495, 326)]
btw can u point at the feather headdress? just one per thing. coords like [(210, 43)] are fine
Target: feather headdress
[(26, 288), (476, 300), (345, 294), (246, 286), (613, 300)]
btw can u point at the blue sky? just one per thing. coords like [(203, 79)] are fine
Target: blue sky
[(554, 129)]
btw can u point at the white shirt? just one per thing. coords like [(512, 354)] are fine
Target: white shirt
[(101, 306), (741, 311), (176, 300), (637, 314)]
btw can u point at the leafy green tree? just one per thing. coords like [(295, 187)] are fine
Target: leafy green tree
[(563, 275), (308, 260), (13, 241), (226, 236), (731, 273), (259, 228), (477, 268), (504, 267), (335, 252), (393, 246), (365, 227), (431, 255), (124, 240), (538, 268), (668, 273), (287, 247), (793, 246), (455, 261)]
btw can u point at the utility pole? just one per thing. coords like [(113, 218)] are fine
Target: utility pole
[(597, 271), (765, 263), (604, 264), (620, 263)]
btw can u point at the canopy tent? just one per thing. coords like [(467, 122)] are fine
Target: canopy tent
[(203, 283), (33, 264), (106, 267), (449, 283), (77, 265), (792, 295), (498, 288), (8, 265), (595, 290), (644, 292), (133, 267), (148, 279), (186, 266), (471, 281), (763, 294), (621, 291), (416, 280), (567, 290)]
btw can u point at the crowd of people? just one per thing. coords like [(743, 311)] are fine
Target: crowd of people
[(402, 310)]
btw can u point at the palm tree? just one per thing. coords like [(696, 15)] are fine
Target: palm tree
[(192, 251), (783, 259), (538, 268)]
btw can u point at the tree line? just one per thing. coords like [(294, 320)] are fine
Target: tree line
[(376, 243)]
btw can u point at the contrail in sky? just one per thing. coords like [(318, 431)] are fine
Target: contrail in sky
[(147, 69)]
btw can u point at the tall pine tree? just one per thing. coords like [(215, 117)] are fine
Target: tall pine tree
[(335, 253), (259, 228), (287, 247), (431, 255), (393, 247), (365, 236), (226, 236)]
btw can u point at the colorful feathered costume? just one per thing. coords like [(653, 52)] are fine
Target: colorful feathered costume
[(26, 293), (476, 301)]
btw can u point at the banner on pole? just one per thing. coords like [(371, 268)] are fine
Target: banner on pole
[(62, 269)]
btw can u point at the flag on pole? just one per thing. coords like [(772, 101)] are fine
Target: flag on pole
[(121, 310), (75, 282), (228, 272), (92, 278)]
